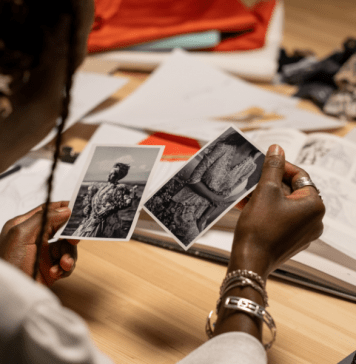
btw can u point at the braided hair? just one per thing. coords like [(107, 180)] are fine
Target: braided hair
[(60, 126), (25, 26)]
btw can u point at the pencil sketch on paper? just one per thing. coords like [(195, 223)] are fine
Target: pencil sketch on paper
[(339, 199), (208, 185), (331, 156)]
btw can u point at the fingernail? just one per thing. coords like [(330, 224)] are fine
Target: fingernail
[(63, 209), (274, 149)]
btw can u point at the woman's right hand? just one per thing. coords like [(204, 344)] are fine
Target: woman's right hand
[(273, 225)]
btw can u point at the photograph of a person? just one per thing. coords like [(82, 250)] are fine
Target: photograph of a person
[(108, 196), (213, 181)]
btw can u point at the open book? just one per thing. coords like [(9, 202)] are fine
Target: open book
[(329, 264)]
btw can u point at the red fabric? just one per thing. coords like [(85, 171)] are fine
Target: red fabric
[(121, 23)]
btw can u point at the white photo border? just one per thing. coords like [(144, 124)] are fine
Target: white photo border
[(186, 247), (160, 149)]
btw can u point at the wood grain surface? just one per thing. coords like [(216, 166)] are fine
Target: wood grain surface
[(144, 304)]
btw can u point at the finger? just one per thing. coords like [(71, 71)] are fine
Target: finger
[(57, 205), (55, 272), (68, 256), (21, 218), (67, 262), (54, 250), (52, 206), (55, 219), (292, 174), (273, 167)]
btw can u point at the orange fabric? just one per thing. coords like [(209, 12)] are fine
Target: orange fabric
[(176, 147), (121, 23)]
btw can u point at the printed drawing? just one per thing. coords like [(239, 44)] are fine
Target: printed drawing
[(333, 157), (339, 199)]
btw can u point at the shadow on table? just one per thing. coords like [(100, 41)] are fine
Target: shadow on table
[(79, 296)]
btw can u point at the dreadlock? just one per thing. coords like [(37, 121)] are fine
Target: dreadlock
[(60, 127)]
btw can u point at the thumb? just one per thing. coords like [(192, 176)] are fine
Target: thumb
[(273, 167), (55, 219)]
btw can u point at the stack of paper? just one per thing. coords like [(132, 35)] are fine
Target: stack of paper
[(187, 97)]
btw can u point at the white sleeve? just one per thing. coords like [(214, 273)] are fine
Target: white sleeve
[(228, 348), (51, 333), (36, 328)]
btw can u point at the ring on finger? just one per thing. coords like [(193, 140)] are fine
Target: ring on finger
[(305, 181)]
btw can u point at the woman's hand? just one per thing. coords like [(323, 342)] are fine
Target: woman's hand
[(18, 244), (275, 225)]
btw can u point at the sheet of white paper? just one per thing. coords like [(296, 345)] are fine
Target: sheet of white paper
[(339, 197), (351, 135), (26, 189), (92, 63), (88, 91), (290, 140), (331, 153), (186, 88), (186, 96), (294, 117), (327, 266), (340, 240)]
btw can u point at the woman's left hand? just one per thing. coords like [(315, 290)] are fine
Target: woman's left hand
[(18, 244)]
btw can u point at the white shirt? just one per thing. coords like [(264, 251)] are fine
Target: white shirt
[(36, 328)]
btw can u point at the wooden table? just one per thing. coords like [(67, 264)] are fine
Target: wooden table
[(144, 304)]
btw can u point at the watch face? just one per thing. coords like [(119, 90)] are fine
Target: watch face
[(351, 359)]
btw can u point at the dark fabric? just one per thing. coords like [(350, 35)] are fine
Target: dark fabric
[(318, 80)]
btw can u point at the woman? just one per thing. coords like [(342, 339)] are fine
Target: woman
[(101, 205), (34, 327), (223, 169)]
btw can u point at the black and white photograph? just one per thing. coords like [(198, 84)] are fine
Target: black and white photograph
[(108, 197), (209, 185)]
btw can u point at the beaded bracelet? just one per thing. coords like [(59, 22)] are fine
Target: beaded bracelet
[(243, 273), (242, 282), (250, 307)]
